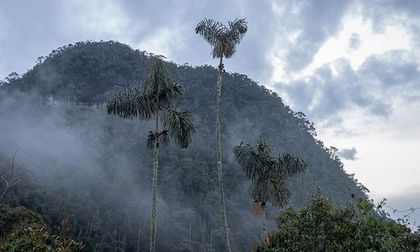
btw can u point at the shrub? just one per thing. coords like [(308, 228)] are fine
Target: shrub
[(320, 226)]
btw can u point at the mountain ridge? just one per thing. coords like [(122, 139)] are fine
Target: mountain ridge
[(92, 72)]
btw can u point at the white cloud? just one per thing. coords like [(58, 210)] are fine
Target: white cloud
[(402, 203), (348, 154), (385, 164), (102, 19), (394, 36), (161, 42), (362, 90), (387, 149)]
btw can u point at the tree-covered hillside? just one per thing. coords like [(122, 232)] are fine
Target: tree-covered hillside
[(81, 164)]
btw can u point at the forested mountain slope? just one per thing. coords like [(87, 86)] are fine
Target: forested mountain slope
[(82, 164)]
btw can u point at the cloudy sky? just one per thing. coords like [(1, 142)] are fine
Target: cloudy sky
[(353, 67)]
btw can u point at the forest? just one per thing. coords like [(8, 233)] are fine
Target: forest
[(80, 178)]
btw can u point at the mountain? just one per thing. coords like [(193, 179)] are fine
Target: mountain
[(81, 164)]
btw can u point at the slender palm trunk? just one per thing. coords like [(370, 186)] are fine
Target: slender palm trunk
[(219, 158), (154, 190), (264, 218)]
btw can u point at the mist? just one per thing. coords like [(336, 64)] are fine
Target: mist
[(82, 157), (75, 162)]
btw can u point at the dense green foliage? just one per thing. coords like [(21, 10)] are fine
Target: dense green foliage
[(101, 187), (23, 230), (320, 226), (13, 219), (268, 174)]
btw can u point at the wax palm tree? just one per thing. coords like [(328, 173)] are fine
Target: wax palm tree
[(268, 174), (223, 40), (156, 101)]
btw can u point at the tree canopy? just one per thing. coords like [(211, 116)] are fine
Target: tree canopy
[(322, 226), (159, 95), (222, 38), (267, 173)]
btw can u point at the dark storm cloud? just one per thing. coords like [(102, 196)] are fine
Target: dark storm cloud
[(348, 154)]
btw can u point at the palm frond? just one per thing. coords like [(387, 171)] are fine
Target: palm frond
[(179, 125), (278, 192), (233, 36), (131, 103), (273, 189), (157, 79), (225, 48), (218, 50), (263, 149), (252, 163), (268, 175), (172, 93), (223, 39), (290, 165), (211, 30), (237, 30), (229, 49)]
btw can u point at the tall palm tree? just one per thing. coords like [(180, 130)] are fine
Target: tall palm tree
[(268, 174), (223, 40), (156, 101)]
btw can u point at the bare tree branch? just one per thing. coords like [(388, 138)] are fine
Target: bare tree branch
[(11, 181)]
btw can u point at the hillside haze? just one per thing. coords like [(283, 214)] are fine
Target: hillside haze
[(93, 168)]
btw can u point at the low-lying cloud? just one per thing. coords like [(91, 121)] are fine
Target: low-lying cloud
[(348, 154)]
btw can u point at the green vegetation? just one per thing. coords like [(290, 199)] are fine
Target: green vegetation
[(268, 174), (156, 100), (13, 219), (321, 226), (23, 231), (224, 40), (103, 187)]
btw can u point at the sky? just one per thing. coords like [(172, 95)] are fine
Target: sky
[(353, 67)]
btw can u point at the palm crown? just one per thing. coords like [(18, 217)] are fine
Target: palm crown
[(267, 173), (222, 38), (159, 96)]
